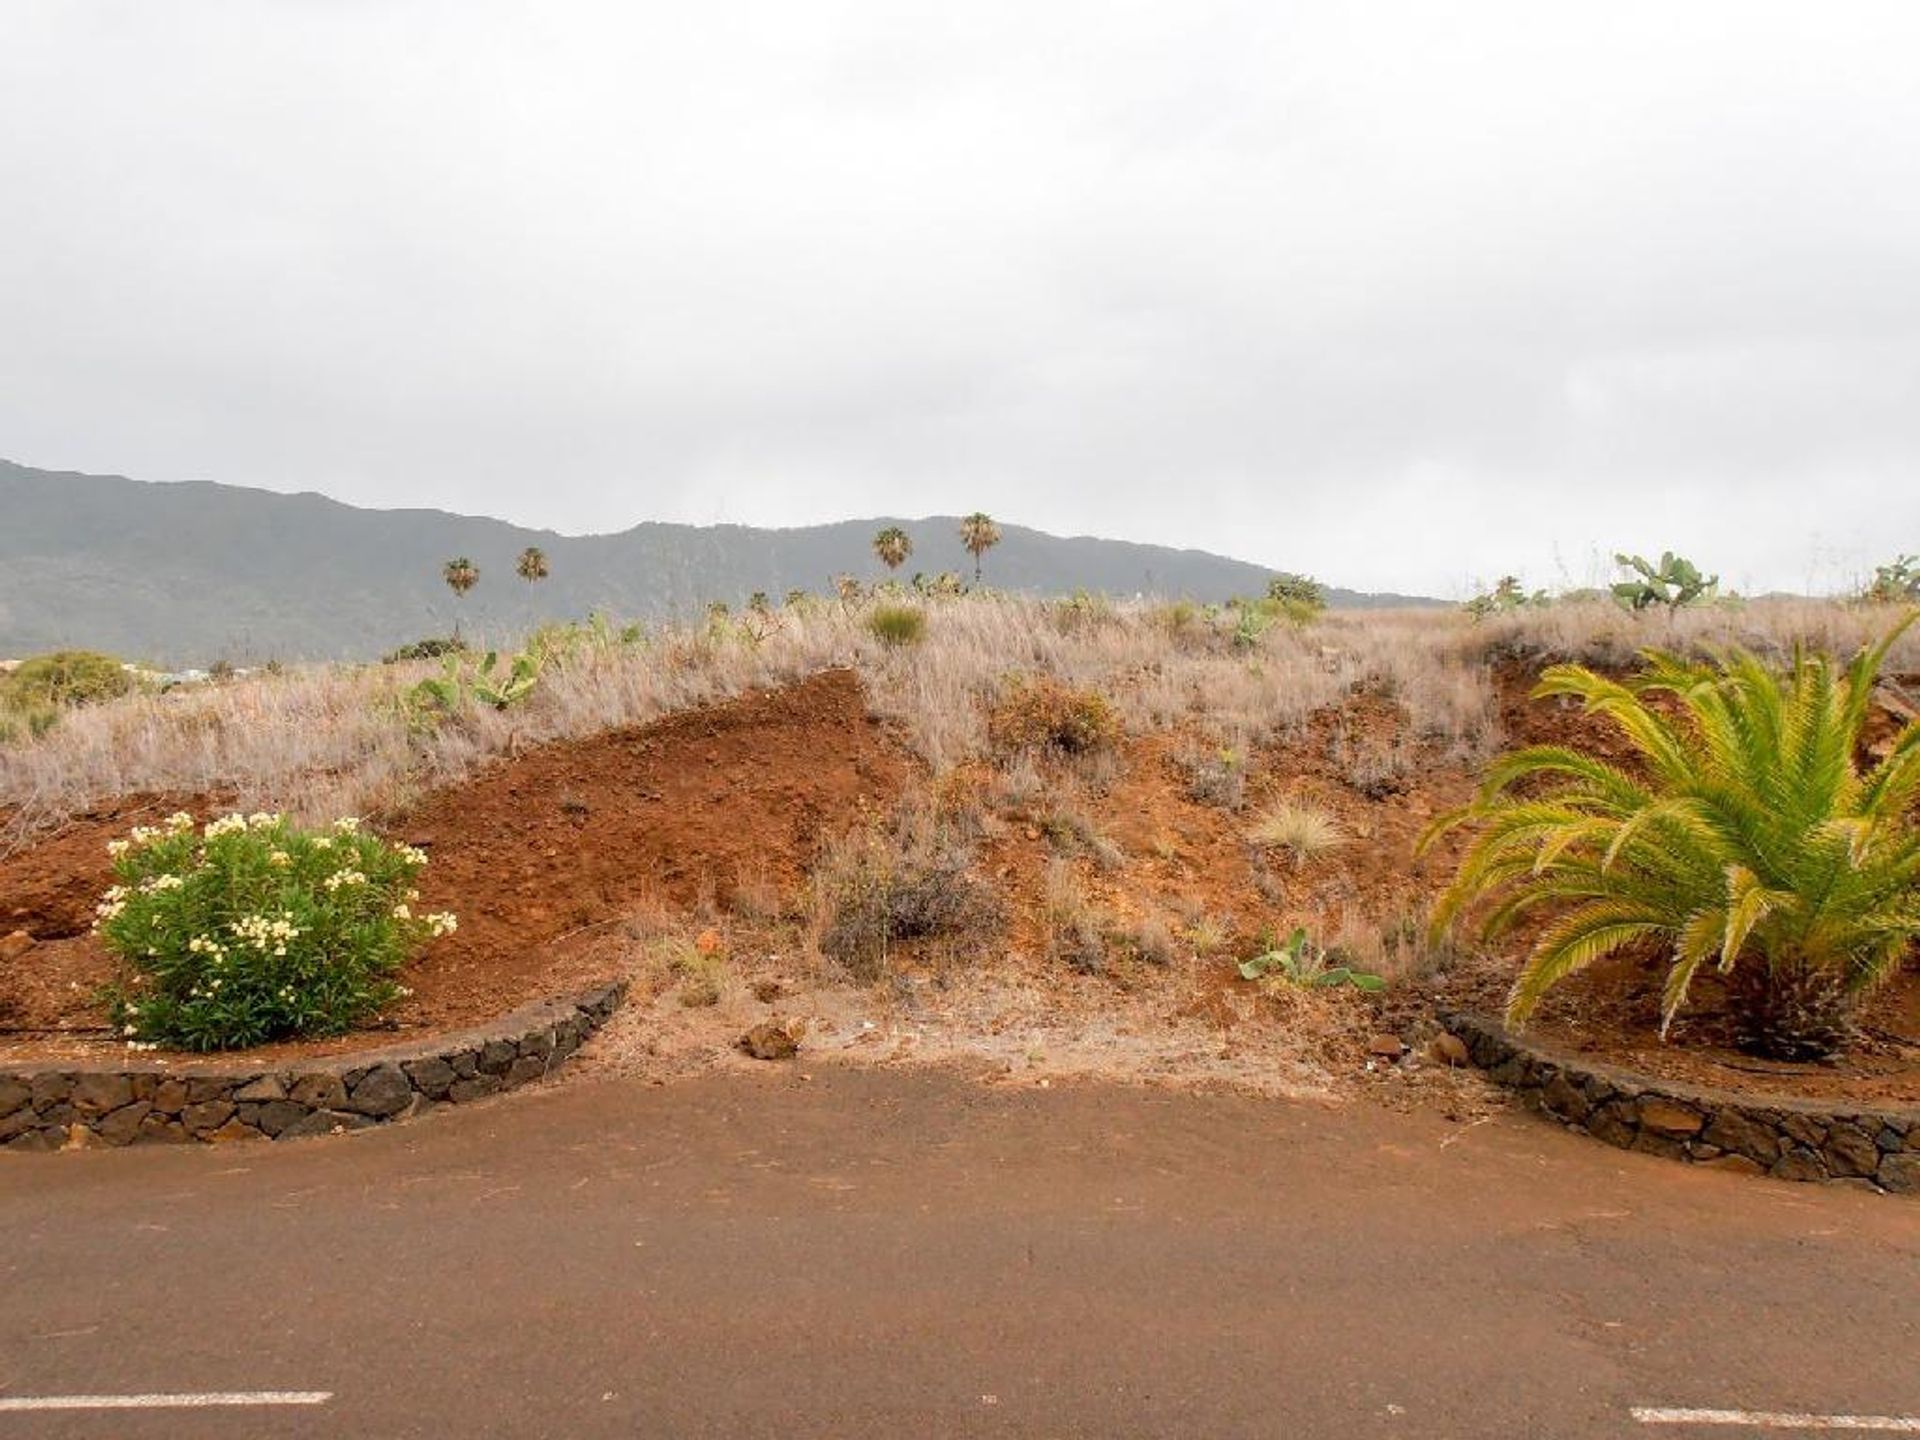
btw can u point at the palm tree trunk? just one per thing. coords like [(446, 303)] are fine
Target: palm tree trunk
[(1791, 1011)]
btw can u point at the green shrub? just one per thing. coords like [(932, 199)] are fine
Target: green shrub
[(1507, 596), (457, 686), (1299, 598), (1299, 961), (434, 647), (1674, 582), (251, 929), (1895, 583), (63, 678), (897, 624), (1746, 837)]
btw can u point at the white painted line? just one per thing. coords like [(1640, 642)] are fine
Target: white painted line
[(1777, 1420), (165, 1402)]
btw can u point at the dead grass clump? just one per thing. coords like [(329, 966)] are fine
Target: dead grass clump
[(697, 968), (1215, 777), (1075, 935), (1072, 832), (1377, 766), (1040, 713), (1304, 831), (878, 890)]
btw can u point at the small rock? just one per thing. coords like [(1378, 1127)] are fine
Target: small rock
[(771, 1040), (267, 1087), (1449, 1049), (384, 1090), (1387, 1047), (319, 1091), (13, 946)]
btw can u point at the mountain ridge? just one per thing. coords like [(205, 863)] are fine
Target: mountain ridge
[(186, 572)]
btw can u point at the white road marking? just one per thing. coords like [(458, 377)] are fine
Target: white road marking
[(165, 1402), (1777, 1420)]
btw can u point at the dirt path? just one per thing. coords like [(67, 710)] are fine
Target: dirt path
[(885, 1253)]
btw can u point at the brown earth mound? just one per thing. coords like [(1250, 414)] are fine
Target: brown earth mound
[(527, 853)]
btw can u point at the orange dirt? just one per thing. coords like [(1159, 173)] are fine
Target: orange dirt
[(530, 853)]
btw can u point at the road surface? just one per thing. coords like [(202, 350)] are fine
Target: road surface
[(895, 1254)]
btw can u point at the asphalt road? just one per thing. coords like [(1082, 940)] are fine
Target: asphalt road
[(889, 1254)]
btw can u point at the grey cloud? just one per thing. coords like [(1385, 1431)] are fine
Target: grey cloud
[(1403, 294)]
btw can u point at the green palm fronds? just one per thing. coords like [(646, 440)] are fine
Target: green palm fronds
[(1743, 836)]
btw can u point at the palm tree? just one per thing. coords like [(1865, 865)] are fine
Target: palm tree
[(533, 564), (893, 545), (1745, 836), (979, 534), (461, 576)]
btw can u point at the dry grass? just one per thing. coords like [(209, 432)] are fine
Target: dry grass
[(1303, 831), (323, 741)]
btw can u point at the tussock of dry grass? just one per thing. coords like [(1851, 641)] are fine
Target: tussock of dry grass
[(1303, 831), (323, 741)]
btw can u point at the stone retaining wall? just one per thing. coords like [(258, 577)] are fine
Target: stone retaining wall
[(1786, 1138), (44, 1108)]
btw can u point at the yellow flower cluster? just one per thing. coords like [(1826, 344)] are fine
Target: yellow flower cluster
[(266, 936), (238, 824), (177, 823)]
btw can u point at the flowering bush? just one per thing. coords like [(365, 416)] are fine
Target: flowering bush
[(250, 929)]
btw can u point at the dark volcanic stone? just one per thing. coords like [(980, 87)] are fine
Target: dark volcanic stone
[(1731, 1130), (1799, 1163), (384, 1090), (119, 1126), (431, 1076), (1851, 1151), (319, 1090), (207, 1116), (527, 1067)]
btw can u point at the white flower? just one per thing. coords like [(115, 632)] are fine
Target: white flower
[(347, 824), (117, 848), (341, 878), (401, 912), (323, 842), (442, 924), (179, 823), (279, 859), (260, 820)]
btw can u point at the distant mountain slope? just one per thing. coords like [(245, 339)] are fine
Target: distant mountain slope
[(192, 572)]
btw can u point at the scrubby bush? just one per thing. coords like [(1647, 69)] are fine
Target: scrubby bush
[(1674, 582), (1299, 598), (880, 890), (1746, 838), (1298, 960), (1505, 597), (1895, 583), (434, 647), (64, 678), (1043, 714), (251, 929), (897, 624)]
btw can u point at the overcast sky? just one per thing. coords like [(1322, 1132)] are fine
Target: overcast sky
[(1401, 294)]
